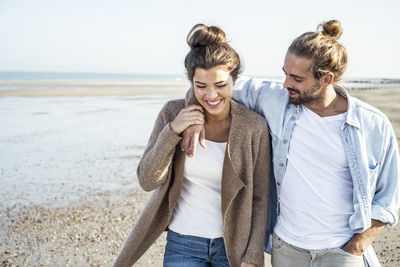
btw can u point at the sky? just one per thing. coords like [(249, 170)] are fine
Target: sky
[(149, 36)]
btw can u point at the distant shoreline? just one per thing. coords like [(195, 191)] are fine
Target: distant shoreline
[(51, 75), (92, 83), (52, 88), (58, 75), (88, 92), (34, 88)]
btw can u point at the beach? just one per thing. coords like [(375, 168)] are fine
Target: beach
[(68, 157)]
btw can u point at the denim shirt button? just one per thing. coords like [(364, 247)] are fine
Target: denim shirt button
[(284, 141), (292, 118), (281, 165)]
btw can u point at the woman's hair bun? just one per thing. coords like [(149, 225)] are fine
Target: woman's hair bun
[(202, 35), (333, 28)]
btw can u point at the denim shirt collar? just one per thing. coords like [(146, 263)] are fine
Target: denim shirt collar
[(352, 115)]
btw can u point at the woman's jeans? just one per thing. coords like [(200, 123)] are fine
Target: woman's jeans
[(194, 251)]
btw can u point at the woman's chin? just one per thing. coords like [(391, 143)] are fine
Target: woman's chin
[(216, 112)]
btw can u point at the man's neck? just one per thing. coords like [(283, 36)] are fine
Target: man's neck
[(329, 103)]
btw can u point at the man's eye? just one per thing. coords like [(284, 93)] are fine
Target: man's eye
[(221, 86), (297, 80), (201, 87)]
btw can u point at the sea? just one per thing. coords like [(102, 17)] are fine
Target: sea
[(54, 150), (21, 75), (348, 82)]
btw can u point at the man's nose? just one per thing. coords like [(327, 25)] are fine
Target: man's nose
[(286, 83)]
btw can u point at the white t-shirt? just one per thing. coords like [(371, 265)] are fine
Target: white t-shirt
[(316, 199), (198, 211)]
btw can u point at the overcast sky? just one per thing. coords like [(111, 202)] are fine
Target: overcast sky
[(148, 36)]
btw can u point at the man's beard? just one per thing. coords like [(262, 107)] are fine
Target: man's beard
[(305, 97)]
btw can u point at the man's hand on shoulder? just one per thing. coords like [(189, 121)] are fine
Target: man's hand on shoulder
[(191, 135)]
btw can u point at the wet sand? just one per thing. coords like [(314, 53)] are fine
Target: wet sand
[(44, 88), (92, 230)]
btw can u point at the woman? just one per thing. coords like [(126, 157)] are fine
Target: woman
[(213, 205)]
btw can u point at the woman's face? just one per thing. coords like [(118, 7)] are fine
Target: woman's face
[(213, 90)]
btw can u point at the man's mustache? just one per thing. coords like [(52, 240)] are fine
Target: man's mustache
[(293, 90)]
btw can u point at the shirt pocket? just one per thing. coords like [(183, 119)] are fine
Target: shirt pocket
[(274, 138), (373, 170)]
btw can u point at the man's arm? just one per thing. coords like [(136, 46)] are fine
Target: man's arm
[(386, 201), (194, 132), (247, 91), (358, 244)]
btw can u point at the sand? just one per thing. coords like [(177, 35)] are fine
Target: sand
[(84, 233), (40, 88), (92, 230)]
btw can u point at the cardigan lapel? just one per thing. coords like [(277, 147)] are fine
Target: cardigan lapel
[(231, 182)]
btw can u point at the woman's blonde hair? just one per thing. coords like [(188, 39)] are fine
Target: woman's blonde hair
[(323, 47)]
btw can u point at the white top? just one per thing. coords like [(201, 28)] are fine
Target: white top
[(198, 211), (316, 199)]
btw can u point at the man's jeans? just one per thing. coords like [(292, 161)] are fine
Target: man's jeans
[(284, 254), (194, 251)]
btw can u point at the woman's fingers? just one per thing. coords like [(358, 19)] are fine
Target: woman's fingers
[(186, 117), (194, 107), (191, 113)]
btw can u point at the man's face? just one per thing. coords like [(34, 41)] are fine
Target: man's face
[(299, 81)]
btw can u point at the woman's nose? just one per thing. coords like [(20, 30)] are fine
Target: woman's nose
[(211, 93)]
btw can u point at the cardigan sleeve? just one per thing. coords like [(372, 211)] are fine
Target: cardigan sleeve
[(157, 158), (255, 249)]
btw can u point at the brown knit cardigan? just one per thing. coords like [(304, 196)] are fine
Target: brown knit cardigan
[(244, 186)]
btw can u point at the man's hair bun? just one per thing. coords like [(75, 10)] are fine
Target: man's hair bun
[(332, 28)]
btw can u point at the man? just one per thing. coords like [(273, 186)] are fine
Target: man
[(335, 158)]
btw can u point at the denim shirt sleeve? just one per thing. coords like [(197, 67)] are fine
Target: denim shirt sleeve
[(386, 201), (248, 91), (267, 98)]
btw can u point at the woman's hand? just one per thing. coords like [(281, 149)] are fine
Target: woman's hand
[(186, 117), (245, 264)]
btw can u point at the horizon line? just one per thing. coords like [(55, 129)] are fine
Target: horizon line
[(174, 75)]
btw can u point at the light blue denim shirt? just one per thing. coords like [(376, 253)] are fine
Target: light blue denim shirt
[(370, 147)]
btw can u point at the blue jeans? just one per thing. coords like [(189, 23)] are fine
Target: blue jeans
[(194, 251)]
